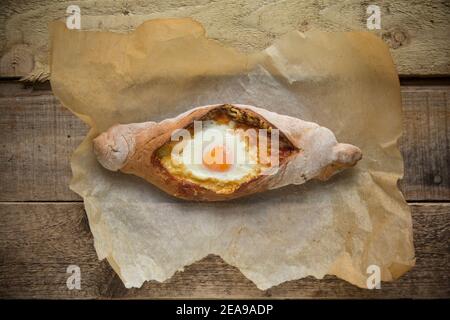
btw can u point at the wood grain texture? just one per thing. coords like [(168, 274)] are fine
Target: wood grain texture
[(18, 61), (38, 136), (416, 31), (38, 241), (425, 143)]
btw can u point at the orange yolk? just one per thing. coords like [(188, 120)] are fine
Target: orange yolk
[(216, 159)]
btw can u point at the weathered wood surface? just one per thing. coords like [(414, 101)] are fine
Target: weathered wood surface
[(38, 241), (425, 143), (38, 136), (416, 31)]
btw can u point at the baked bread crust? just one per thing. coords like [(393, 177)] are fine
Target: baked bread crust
[(315, 153)]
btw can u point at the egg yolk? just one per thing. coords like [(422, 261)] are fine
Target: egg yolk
[(216, 159)]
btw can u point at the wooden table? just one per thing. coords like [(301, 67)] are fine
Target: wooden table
[(44, 229), (43, 226)]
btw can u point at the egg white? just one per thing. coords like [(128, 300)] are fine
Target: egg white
[(244, 161)]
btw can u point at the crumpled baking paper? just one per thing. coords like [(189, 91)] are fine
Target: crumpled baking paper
[(344, 81)]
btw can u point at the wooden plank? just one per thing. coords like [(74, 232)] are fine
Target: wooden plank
[(425, 144), (417, 32), (38, 241), (18, 61), (39, 135)]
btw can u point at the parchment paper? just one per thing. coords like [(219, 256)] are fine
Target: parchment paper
[(344, 81)]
